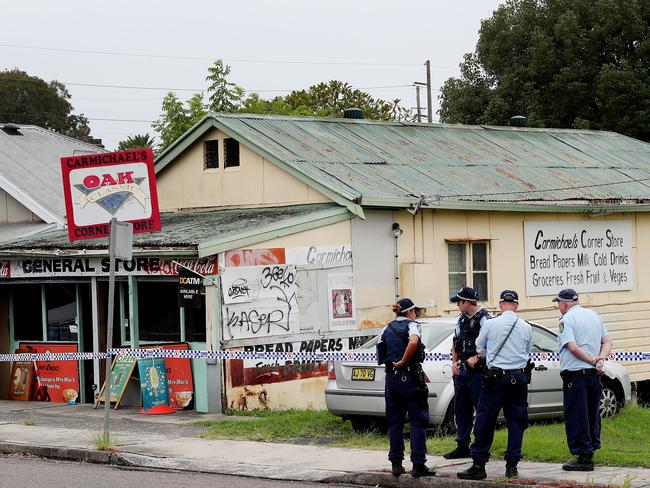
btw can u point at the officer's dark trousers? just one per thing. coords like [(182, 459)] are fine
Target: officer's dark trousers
[(513, 398), (467, 390), (400, 400), (582, 413)]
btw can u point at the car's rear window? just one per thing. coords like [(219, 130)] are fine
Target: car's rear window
[(432, 335)]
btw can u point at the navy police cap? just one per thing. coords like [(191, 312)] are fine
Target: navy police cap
[(465, 293), (566, 295), (509, 296), (406, 304)]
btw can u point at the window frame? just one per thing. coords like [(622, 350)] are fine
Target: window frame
[(226, 164), (205, 155), (469, 264)]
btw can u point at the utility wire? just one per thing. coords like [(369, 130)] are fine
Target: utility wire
[(135, 87), (230, 60)]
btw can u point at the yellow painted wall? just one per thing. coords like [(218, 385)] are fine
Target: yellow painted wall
[(307, 394), (425, 242), (338, 233), (12, 211), (256, 182)]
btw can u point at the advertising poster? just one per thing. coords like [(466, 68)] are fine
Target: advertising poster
[(585, 256), (99, 187), (121, 371), (179, 376), (341, 299), (57, 381), (153, 382), (189, 289)]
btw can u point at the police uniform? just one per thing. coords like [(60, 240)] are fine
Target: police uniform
[(401, 393), (506, 343), (467, 385), (581, 383)]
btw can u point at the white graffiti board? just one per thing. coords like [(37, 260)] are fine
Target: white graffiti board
[(585, 256), (259, 301)]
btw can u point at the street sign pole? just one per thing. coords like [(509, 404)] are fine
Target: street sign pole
[(109, 325)]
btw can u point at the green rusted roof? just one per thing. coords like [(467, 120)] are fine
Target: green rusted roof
[(192, 232), (389, 164)]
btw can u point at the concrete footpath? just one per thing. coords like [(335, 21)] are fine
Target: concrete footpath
[(170, 442)]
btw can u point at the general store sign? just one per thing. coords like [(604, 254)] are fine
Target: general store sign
[(72, 266), (585, 256), (99, 187)]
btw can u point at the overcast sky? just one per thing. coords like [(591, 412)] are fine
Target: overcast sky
[(253, 36)]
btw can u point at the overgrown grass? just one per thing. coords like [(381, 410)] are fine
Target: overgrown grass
[(104, 441), (625, 437)]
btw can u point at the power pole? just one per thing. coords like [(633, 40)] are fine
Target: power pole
[(429, 101), (417, 97)]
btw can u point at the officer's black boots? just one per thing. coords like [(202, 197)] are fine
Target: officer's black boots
[(582, 463), (422, 470), (398, 469), (458, 453), (511, 471), (474, 472)]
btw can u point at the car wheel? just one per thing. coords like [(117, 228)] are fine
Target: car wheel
[(610, 401), (448, 426), (369, 424)]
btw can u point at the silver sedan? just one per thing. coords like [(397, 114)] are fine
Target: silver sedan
[(355, 390)]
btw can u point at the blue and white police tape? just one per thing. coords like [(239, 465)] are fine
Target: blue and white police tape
[(53, 356), (358, 356)]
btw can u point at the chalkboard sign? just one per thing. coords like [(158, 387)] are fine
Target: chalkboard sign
[(153, 382), (121, 371)]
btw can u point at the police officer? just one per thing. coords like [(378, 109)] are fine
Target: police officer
[(584, 345), (465, 367), (505, 342), (399, 349)]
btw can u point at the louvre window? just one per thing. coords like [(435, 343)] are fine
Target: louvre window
[(210, 154), (231, 153)]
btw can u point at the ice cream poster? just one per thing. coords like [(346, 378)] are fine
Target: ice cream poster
[(153, 382)]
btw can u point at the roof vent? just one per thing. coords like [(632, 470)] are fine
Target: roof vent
[(518, 121), (11, 129), (353, 113)]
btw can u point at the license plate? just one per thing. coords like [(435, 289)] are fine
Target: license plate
[(363, 374)]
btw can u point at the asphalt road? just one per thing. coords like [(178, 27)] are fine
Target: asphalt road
[(29, 471)]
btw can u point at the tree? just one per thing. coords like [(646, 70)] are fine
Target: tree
[(321, 100), (137, 141), (330, 100), (177, 118), (224, 95), (26, 99), (562, 63)]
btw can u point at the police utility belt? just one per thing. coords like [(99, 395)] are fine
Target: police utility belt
[(406, 369), (580, 372)]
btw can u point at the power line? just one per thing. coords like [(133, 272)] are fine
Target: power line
[(135, 87), (33, 116), (230, 60)]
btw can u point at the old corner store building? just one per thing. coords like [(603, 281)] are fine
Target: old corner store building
[(529, 209)]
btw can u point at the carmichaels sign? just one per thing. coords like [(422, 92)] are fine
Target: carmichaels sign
[(585, 256)]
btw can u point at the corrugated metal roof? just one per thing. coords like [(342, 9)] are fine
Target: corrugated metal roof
[(180, 230), (30, 168), (383, 161)]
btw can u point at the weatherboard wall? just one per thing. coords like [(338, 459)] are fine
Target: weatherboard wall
[(255, 182)]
